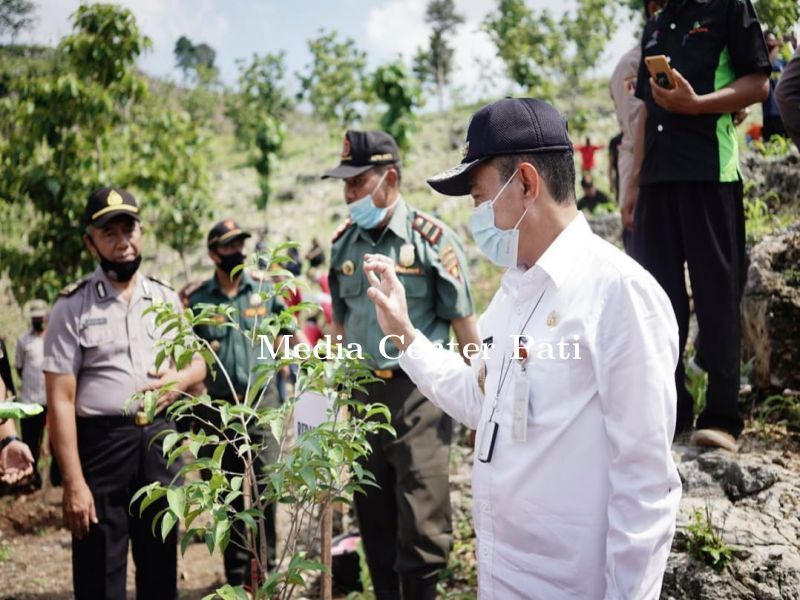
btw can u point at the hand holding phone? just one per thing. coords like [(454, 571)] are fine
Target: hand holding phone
[(660, 71)]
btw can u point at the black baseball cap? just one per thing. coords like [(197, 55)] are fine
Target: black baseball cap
[(508, 126), (362, 150), (106, 203), (225, 232)]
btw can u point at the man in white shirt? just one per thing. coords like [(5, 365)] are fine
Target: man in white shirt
[(28, 358), (575, 492)]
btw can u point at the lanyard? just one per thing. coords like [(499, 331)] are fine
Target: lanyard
[(505, 366)]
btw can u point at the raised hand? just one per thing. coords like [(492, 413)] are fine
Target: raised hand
[(389, 297)]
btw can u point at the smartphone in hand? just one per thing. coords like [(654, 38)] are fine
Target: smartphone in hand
[(660, 71)]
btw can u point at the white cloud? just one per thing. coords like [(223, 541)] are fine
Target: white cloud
[(397, 27), (163, 22)]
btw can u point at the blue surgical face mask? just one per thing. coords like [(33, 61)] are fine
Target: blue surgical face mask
[(364, 212), (498, 245)]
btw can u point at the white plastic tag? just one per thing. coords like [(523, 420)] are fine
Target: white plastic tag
[(519, 427)]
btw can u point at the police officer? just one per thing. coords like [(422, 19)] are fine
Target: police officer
[(226, 249), (405, 523), (28, 356), (99, 350), (689, 209)]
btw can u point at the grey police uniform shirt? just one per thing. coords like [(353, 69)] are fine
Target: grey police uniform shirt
[(109, 346)]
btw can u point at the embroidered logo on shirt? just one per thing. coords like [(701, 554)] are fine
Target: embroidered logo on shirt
[(697, 27), (653, 40)]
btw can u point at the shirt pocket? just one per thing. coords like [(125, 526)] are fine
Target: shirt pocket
[(550, 391), (98, 343), (351, 286), (416, 286)]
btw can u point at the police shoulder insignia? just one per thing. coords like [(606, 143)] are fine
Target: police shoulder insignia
[(73, 287), (166, 284), (342, 228), (449, 260), (427, 227)]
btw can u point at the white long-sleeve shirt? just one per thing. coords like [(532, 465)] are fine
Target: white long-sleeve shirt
[(585, 506)]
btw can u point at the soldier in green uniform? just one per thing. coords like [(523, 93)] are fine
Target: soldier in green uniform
[(405, 524), (226, 249)]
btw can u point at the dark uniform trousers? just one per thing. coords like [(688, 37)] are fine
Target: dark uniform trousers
[(700, 224), (236, 559), (118, 458), (405, 524)]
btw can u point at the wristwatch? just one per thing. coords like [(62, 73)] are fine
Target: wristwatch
[(7, 440)]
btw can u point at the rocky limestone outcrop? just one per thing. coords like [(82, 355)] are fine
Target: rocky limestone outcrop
[(754, 500), (771, 311), (608, 226), (774, 179)]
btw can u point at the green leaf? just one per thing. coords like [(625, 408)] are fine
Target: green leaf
[(19, 410), (152, 496), (248, 520), (176, 498), (211, 541), (167, 523)]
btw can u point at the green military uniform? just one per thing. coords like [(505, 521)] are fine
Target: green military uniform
[(428, 258), (412, 468), (235, 351), (237, 355)]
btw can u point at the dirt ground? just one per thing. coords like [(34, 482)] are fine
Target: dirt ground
[(35, 554), (35, 550)]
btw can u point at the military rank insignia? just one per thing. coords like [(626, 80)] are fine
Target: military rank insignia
[(449, 260), (430, 231)]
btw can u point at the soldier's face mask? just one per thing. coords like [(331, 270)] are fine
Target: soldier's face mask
[(500, 246), (364, 212), (228, 262)]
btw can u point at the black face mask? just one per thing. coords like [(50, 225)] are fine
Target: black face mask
[(120, 271), (115, 270), (228, 262), (37, 325)]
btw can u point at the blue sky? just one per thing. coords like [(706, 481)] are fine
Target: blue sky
[(384, 29)]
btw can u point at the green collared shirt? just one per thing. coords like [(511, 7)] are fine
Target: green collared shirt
[(430, 263), (235, 351)]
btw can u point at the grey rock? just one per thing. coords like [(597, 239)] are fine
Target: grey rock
[(774, 179), (754, 507), (771, 311), (607, 226)]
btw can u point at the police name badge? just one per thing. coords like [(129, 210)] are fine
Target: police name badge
[(406, 258)]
